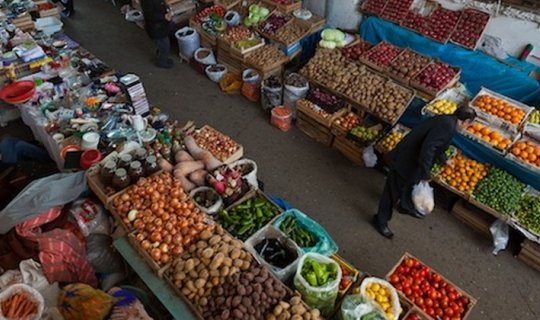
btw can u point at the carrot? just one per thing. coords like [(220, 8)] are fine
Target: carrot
[(14, 304)]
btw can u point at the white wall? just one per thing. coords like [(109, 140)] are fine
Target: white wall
[(515, 33)]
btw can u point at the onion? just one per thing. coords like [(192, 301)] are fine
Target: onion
[(146, 244), (140, 237), (167, 238), (177, 239), (164, 248), (177, 251), (165, 258), (155, 236), (155, 254)]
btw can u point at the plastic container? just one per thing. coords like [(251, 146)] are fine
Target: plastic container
[(251, 177), (215, 75), (188, 41), (18, 92), (212, 209), (209, 59), (90, 157), (281, 118), (49, 25), (28, 291)]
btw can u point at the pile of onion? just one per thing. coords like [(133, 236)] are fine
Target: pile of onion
[(164, 220)]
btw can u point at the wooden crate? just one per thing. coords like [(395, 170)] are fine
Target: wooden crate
[(98, 187), (473, 217), (159, 270), (54, 12), (207, 40), (233, 64), (287, 8), (430, 93), (314, 129), (472, 300), (235, 156), (349, 149), (530, 253), (312, 114), (227, 4)]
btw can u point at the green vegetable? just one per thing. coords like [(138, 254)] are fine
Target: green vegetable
[(245, 219), (499, 190), (324, 272), (302, 237), (312, 278), (528, 213)]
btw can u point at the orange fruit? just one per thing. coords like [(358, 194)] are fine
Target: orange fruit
[(524, 155), (532, 158), (521, 145), (529, 149), (537, 151), (485, 131)]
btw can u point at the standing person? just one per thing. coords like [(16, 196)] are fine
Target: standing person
[(411, 162), (156, 23), (69, 9)]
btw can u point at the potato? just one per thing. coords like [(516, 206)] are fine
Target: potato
[(208, 253), (214, 240), (224, 271), (298, 309), (206, 234), (297, 317), (190, 264), (277, 310), (199, 283)]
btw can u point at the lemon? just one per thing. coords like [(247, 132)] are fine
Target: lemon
[(390, 315), (375, 287), (384, 305), (380, 299)]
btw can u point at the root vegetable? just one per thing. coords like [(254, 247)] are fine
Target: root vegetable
[(165, 165), (198, 177), (182, 156)]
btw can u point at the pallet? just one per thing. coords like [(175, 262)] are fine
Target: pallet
[(313, 129), (474, 218), (350, 150), (530, 254)]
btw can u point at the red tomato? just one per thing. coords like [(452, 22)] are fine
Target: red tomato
[(454, 307), (428, 302), (407, 292), (446, 318), (394, 279), (431, 312), (400, 270), (409, 262), (451, 296), (465, 301), (415, 288), (419, 302), (398, 287), (433, 294), (444, 303), (449, 312), (439, 312), (461, 310), (436, 277)]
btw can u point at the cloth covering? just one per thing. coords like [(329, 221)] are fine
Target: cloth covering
[(477, 69), (62, 253)]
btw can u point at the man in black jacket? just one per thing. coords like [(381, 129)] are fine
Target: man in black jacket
[(156, 23), (411, 162)]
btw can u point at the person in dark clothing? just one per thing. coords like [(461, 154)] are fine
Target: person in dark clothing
[(156, 22), (411, 162)]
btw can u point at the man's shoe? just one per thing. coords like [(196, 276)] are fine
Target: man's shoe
[(383, 230), (167, 65), (414, 214)]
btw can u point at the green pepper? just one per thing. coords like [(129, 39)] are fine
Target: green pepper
[(312, 279), (244, 229), (259, 213)]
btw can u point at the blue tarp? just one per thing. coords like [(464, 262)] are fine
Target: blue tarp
[(477, 68)]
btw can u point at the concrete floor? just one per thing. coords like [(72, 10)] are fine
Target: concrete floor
[(316, 179)]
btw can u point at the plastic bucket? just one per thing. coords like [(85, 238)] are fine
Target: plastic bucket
[(281, 118), (188, 41)]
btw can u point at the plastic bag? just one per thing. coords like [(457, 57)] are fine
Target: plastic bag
[(31, 293), (270, 232), (250, 177), (232, 18), (188, 41), (212, 209), (251, 91), (41, 195), (325, 246), (230, 83), (101, 255), (291, 94), (134, 16), (323, 297), (81, 302), (501, 233), (251, 76), (357, 307), (271, 93), (215, 75), (396, 306), (422, 197), (369, 156), (32, 274), (209, 59), (90, 217)]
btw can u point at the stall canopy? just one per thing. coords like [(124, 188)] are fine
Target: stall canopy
[(477, 69)]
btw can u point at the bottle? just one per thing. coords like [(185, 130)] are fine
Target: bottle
[(121, 180)]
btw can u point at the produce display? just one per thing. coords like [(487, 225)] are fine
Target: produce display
[(304, 103), (214, 24), (275, 253), (265, 56), (382, 97), (215, 9), (391, 140), (19, 306), (535, 117), (499, 190), (413, 316), (245, 219), (220, 145), (408, 64), (441, 24), (449, 154), (206, 198), (463, 174), (382, 295), (237, 33), (429, 290), (355, 51), (327, 101), (348, 121), (293, 309), (415, 22), (382, 54), (332, 38), (164, 220), (396, 10), (290, 33), (256, 15), (436, 76), (364, 134), (250, 294), (373, 6), (208, 263), (299, 234), (528, 212), (228, 183), (528, 151), (273, 23), (489, 135), (442, 106), (470, 28), (499, 108), (318, 274)]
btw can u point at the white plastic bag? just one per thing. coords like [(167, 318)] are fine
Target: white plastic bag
[(90, 217), (212, 209), (28, 291), (422, 197), (396, 306), (269, 232), (251, 177), (369, 156), (501, 233), (323, 297), (32, 274), (356, 306), (188, 41), (291, 94), (210, 59), (216, 75)]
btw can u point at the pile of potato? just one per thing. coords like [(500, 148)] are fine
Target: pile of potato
[(265, 56), (376, 93), (249, 294), (207, 264), (294, 310), (290, 33)]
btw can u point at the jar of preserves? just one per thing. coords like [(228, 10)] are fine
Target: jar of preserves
[(121, 179), (141, 154), (150, 165), (136, 171), (125, 160), (107, 172)]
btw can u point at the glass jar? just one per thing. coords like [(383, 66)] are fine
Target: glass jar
[(166, 153), (125, 160), (107, 172), (150, 165), (120, 180), (141, 154), (135, 171)]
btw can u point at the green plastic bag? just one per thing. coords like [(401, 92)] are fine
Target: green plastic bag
[(325, 245)]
